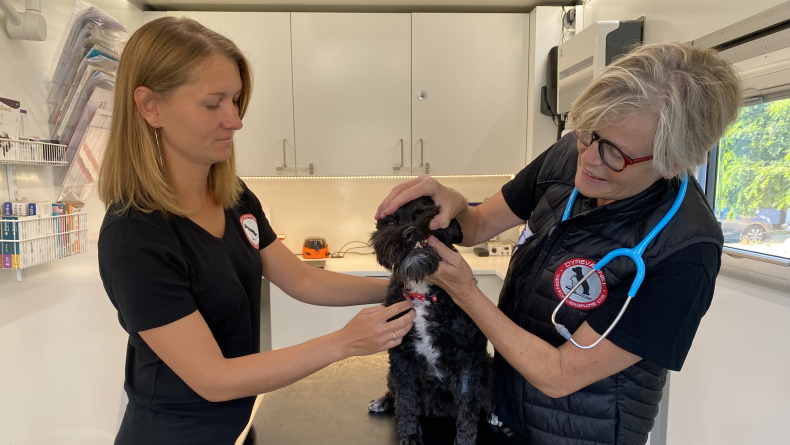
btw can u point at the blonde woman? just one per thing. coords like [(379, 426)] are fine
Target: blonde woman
[(184, 244), (649, 118)]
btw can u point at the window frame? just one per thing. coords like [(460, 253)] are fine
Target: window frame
[(759, 47), (709, 184)]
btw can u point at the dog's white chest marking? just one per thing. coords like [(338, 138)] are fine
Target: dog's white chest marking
[(424, 343)]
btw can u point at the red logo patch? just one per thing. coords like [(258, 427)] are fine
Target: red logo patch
[(590, 294), (250, 226)]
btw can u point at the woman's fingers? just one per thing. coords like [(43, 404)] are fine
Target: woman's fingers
[(454, 274), (405, 192), (404, 322), (378, 329), (398, 308), (450, 202), (393, 193), (387, 312)]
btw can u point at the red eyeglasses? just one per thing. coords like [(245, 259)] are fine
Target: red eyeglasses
[(612, 156)]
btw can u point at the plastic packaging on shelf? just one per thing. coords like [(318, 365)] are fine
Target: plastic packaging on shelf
[(27, 241)]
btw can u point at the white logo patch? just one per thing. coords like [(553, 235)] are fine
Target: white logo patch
[(250, 226), (590, 294)]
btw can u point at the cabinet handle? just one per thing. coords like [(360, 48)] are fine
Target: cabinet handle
[(284, 168), (397, 167), (421, 153)]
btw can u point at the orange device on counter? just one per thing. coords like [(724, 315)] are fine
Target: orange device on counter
[(315, 247)]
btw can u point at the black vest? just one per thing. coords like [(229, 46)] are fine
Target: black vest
[(618, 409)]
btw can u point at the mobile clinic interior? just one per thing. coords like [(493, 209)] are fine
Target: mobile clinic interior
[(62, 350)]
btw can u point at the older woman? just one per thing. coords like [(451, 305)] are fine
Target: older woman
[(647, 121), (184, 244)]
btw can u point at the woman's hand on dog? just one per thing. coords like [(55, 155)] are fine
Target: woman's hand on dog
[(375, 329), (450, 202), (454, 274)]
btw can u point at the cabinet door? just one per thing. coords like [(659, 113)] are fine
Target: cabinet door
[(294, 322), (351, 92), (266, 141), (469, 92)]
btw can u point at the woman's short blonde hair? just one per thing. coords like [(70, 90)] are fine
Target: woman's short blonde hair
[(162, 55), (695, 93)]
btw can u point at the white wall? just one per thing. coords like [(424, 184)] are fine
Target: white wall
[(545, 32), (341, 210), (734, 387), (61, 348)]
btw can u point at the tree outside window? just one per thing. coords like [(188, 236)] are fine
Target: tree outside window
[(753, 179)]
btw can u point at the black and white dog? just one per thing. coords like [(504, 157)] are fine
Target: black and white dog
[(441, 368)]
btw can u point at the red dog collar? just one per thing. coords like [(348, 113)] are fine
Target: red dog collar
[(417, 296)]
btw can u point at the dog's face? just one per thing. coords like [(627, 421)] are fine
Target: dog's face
[(400, 240)]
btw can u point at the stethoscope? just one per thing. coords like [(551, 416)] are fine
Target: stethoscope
[(635, 254)]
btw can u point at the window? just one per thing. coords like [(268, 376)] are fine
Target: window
[(747, 178), (752, 181)]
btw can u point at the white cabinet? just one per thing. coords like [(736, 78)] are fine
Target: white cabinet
[(266, 142), (294, 322), (469, 92), (352, 78), (381, 93)]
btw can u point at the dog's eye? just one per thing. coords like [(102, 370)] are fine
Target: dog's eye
[(390, 223)]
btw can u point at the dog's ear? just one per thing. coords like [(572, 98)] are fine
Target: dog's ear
[(451, 235), (455, 229)]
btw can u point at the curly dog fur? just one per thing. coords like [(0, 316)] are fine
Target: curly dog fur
[(441, 368)]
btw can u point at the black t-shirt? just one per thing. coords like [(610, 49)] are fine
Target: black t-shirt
[(157, 271), (662, 320)]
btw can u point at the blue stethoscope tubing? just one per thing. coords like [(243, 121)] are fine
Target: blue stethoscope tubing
[(635, 254)]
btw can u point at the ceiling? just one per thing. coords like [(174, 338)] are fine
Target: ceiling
[(352, 5)]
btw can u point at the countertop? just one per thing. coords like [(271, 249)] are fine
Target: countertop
[(366, 265)]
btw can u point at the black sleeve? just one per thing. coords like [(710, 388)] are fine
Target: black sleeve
[(267, 233), (521, 193), (557, 164), (145, 274), (662, 320)]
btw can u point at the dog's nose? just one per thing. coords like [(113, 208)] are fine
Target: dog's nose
[(410, 235)]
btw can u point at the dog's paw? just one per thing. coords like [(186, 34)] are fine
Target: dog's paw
[(493, 420), (497, 426), (412, 439), (382, 404)]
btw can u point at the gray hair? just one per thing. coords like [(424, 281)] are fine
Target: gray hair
[(695, 93)]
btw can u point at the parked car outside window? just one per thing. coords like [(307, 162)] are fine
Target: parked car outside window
[(750, 229), (751, 170)]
